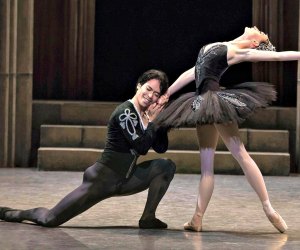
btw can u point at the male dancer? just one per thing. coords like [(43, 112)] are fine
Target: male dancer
[(130, 133)]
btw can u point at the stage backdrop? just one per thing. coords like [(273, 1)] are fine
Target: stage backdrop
[(133, 36), (96, 49)]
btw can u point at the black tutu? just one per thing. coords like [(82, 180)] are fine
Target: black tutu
[(232, 104)]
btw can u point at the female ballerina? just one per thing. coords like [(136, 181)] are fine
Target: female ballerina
[(215, 110)]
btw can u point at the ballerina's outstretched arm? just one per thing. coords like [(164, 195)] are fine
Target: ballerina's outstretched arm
[(185, 78), (253, 55)]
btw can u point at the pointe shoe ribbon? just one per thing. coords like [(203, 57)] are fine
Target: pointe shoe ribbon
[(278, 222), (191, 227)]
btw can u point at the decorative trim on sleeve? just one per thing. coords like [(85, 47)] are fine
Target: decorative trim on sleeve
[(129, 121)]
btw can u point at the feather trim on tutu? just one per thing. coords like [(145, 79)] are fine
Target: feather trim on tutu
[(233, 104)]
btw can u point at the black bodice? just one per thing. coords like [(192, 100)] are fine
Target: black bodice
[(210, 65)]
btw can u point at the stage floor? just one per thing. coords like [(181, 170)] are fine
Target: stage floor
[(234, 218)]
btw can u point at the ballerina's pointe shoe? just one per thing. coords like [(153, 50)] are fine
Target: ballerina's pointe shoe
[(190, 226), (278, 222)]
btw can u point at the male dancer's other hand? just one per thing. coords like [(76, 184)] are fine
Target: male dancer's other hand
[(153, 110), (162, 101)]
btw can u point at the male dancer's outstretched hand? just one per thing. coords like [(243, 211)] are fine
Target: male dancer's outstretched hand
[(162, 101), (153, 110)]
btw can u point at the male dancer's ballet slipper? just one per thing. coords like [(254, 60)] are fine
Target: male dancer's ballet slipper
[(3, 210), (191, 227), (152, 224), (278, 223)]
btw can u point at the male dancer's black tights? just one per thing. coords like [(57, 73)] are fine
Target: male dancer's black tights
[(99, 183)]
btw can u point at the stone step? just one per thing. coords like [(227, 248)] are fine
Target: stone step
[(179, 139), (187, 161), (98, 113)]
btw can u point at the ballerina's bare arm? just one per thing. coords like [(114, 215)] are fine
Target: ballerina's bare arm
[(185, 78), (235, 56)]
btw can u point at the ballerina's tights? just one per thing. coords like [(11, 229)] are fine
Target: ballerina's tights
[(208, 138)]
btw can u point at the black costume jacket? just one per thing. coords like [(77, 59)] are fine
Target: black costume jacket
[(127, 139)]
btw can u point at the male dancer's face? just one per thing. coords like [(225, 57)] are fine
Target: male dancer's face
[(148, 93)]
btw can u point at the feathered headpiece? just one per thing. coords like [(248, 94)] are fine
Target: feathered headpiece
[(267, 45)]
